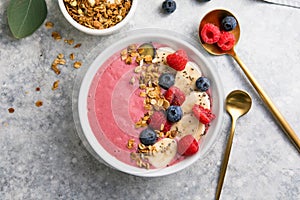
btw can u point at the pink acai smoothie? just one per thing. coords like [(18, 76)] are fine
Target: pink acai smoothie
[(116, 104)]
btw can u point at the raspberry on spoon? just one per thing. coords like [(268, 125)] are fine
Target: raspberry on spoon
[(210, 33)]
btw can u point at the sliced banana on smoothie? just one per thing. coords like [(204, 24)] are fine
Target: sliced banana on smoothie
[(166, 150), (195, 97), (161, 54), (185, 80), (189, 124), (160, 58)]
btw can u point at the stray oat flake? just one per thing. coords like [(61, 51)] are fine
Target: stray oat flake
[(55, 85), (39, 103), (11, 110), (77, 64), (56, 35), (59, 60), (49, 24), (69, 41), (72, 56), (77, 46)]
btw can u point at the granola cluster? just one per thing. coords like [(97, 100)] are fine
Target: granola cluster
[(140, 159), (147, 74), (142, 154), (59, 60), (98, 14), (133, 53)]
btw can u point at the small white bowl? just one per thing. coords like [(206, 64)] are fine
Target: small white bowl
[(90, 31)]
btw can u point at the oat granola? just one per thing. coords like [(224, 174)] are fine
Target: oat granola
[(49, 24), (56, 35), (39, 103), (98, 14), (55, 85), (77, 64), (11, 110)]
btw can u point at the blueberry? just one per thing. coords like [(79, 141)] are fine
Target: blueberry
[(166, 80), (202, 83), (228, 23), (148, 137), (174, 113), (169, 6)]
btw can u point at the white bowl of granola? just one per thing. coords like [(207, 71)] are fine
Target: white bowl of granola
[(98, 18)]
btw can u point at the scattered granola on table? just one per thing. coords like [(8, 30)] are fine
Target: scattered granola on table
[(11, 110), (77, 45), (49, 24), (56, 35), (69, 41), (55, 85), (98, 14), (39, 103), (77, 64), (59, 60), (72, 56)]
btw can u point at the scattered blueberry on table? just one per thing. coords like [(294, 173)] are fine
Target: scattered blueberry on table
[(169, 6)]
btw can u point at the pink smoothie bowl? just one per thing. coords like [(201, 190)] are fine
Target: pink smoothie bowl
[(93, 138)]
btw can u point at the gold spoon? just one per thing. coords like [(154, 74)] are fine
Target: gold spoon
[(215, 17), (238, 103)]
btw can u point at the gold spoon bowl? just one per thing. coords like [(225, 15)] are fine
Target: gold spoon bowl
[(215, 17)]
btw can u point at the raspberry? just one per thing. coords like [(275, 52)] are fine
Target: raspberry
[(210, 33), (175, 96), (156, 120), (167, 126), (182, 53), (205, 116), (226, 41), (187, 146), (177, 60)]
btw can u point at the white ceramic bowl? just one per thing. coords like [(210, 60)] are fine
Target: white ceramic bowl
[(90, 31), (176, 41)]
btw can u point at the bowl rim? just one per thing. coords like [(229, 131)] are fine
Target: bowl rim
[(100, 152), (90, 31)]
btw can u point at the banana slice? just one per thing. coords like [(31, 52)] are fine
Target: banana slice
[(189, 125), (166, 151), (161, 55), (185, 80), (195, 97)]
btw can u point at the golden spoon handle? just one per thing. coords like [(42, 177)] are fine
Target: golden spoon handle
[(275, 112), (226, 158)]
